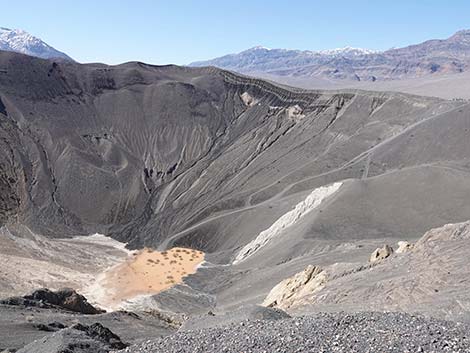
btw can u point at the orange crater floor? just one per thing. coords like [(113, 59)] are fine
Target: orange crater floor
[(148, 272)]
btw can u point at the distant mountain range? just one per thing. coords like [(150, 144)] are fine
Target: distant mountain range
[(431, 68), (19, 41), (451, 55)]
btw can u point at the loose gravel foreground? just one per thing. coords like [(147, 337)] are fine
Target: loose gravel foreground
[(340, 332)]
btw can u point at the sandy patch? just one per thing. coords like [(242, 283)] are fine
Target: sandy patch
[(147, 272), (100, 268), (29, 261)]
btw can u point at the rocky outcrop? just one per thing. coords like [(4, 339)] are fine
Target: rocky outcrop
[(67, 299), (248, 99), (381, 253), (77, 339), (457, 231), (429, 277), (295, 113), (290, 290), (404, 246)]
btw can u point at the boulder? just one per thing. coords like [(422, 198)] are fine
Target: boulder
[(381, 253), (77, 339), (295, 113), (248, 99), (71, 300), (404, 246), (65, 298)]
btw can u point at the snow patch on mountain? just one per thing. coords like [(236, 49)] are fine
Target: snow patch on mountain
[(348, 51), (20, 41), (264, 59), (345, 51)]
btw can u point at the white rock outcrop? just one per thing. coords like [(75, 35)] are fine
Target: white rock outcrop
[(287, 220), (293, 289), (295, 113), (381, 253), (248, 99), (404, 246), (457, 231)]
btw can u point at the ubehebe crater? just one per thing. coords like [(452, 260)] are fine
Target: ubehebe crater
[(251, 181)]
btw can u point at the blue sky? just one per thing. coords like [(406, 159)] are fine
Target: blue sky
[(180, 32)]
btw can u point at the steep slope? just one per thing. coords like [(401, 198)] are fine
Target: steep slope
[(430, 277), (19, 41), (194, 157), (264, 179)]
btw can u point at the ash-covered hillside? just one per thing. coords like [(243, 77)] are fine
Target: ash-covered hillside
[(287, 192), (206, 158)]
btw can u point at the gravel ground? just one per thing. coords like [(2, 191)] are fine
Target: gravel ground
[(340, 332)]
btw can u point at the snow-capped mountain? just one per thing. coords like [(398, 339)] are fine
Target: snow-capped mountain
[(262, 59), (437, 56), (348, 51), (332, 52), (20, 41)]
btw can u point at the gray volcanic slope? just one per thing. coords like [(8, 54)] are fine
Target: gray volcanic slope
[(205, 158), (264, 177)]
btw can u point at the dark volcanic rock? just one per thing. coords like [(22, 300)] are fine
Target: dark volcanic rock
[(20, 326), (77, 339), (342, 333), (52, 327), (249, 312), (99, 332), (65, 298)]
